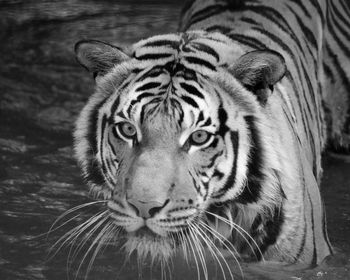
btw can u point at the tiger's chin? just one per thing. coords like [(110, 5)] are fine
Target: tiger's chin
[(149, 246)]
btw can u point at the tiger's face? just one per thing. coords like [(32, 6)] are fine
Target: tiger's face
[(169, 137), (165, 158)]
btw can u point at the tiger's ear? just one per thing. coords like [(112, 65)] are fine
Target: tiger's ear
[(98, 57), (259, 71)]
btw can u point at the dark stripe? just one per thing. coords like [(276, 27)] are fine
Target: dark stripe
[(201, 62), (345, 5), (161, 43), (125, 85), (319, 10), (248, 20), (190, 101), (308, 33), (178, 106), (138, 100), (154, 72), (342, 31), (206, 49), (153, 56), (115, 106), (103, 127), (136, 70), (303, 241), (188, 74), (345, 21), (314, 256), (218, 28), (342, 74), (247, 40), (231, 178), (142, 114), (206, 13), (218, 174), (222, 115), (148, 86), (195, 183), (312, 111), (297, 97), (301, 6), (339, 42), (192, 90), (255, 176), (93, 169), (267, 236), (328, 72), (292, 126), (311, 92), (207, 122), (111, 144), (214, 144), (213, 159), (324, 227), (200, 117)]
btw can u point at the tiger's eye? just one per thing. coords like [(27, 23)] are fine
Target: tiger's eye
[(200, 137), (127, 130)]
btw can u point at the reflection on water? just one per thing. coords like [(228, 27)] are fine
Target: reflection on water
[(39, 99)]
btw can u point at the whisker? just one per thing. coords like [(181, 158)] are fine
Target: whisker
[(183, 245), (198, 245), (105, 232), (193, 251), (69, 211), (86, 237), (71, 233), (96, 240), (210, 244), (95, 225), (224, 242), (112, 234), (240, 230)]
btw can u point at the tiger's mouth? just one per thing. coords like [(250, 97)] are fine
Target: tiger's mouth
[(160, 236), (145, 232), (146, 243)]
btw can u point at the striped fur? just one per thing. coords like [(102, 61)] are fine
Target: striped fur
[(260, 165)]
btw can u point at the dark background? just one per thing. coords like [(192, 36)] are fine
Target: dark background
[(42, 89)]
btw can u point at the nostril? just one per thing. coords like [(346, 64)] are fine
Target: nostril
[(155, 210)]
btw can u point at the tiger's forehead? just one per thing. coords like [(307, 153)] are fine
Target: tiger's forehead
[(197, 50), (170, 78), (174, 99)]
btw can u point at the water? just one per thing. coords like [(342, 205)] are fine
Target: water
[(42, 90)]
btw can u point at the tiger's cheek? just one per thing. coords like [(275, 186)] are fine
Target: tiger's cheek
[(117, 158), (206, 163)]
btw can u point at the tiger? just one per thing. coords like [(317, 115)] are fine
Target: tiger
[(214, 134)]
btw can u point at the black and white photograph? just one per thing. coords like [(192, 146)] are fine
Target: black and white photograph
[(175, 140)]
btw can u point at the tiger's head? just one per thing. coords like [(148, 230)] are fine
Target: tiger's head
[(173, 139)]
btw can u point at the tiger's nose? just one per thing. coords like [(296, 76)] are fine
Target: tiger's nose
[(146, 209)]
